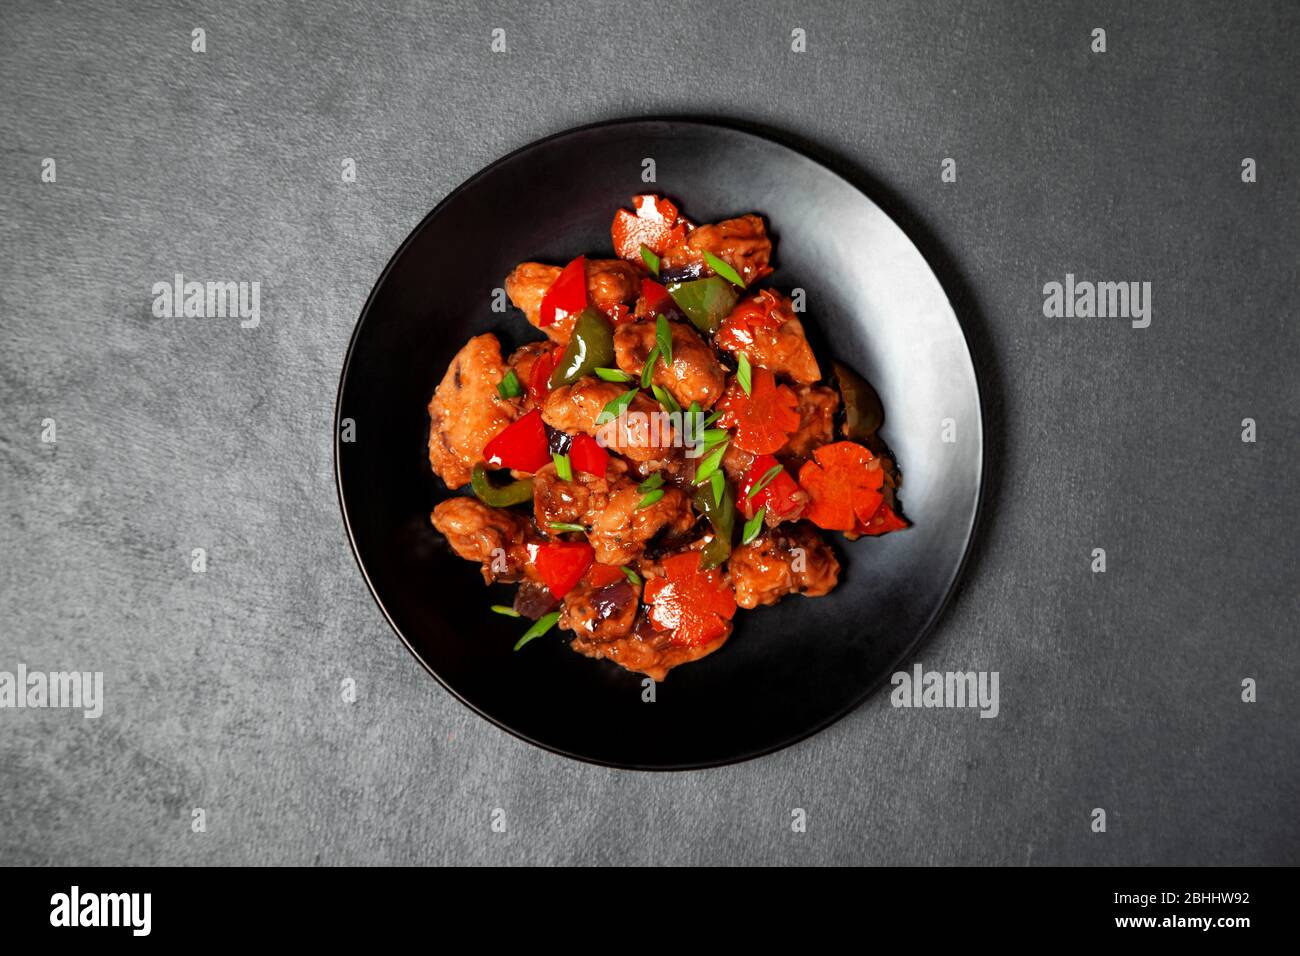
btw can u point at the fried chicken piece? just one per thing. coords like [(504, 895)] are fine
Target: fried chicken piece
[(466, 411), (646, 651), (601, 613), (609, 282), (767, 330), (572, 502), (817, 407), (496, 538), (788, 559), (644, 435), (742, 243), (696, 374), (621, 529)]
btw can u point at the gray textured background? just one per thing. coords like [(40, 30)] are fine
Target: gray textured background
[(1118, 690)]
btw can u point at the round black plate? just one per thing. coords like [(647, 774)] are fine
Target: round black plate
[(872, 301)]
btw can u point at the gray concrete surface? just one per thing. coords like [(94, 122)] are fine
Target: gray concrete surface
[(1119, 690)]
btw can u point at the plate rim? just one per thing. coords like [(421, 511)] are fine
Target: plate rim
[(972, 528)]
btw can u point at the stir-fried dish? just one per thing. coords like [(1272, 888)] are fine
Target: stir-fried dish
[(670, 452)]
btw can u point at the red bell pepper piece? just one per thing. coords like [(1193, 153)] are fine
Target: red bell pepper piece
[(656, 224), (539, 380), (567, 294), (561, 564), (882, 522), (585, 454), (782, 496), (656, 297), (521, 445)]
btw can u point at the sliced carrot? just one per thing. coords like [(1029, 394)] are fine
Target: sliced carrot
[(764, 418), (844, 483), (693, 603)]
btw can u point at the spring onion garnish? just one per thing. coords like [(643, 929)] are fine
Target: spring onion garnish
[(650, 484), (650, 259), (710, 464), (565, 526), (650, 499), (665, 398), (507, 611), (632, 577), (664, 339), (712, 436), (724, 269), (616, 407), (753, 526), (649, 369), (712, 418), (743, 374), (540, 627), (764, 481), (718, 483), (509, 386), (562, 467), (613, 375)]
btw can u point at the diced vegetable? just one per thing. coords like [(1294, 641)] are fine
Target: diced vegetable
[(649, 499), (567, 295), (521, 445), (767, 485), (863, 411), (587, 456), (650, 259), (561, 564), (706, 302), (844, 484), (563, 469), (591, 346), (657, 299), (744, 374), (539, 380), (764, 417), (613, 375), (693, 602), (499, 496), (753, 526), (655, 225), (883, 522), (505, 611), (664, 339), (716, 503)]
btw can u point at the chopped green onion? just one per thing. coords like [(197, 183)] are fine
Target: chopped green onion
[(753, 526), (718, 483), (562, 467), (743, 374), (509, 386), (710, 464), (764, 481), (724, 269), (649, 369), (712, 436), (712, 418), (565, 526), (650, 499), (632, 577), (650, 484), (540, 627), (616, 407), (650, 259), (664, 339), (613, 375), (665, 398), (507, 611)]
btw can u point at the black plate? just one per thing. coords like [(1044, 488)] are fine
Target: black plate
[(872, 301)]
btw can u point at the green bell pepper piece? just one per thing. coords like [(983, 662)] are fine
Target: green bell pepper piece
[(591, 346), (706, 302)]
